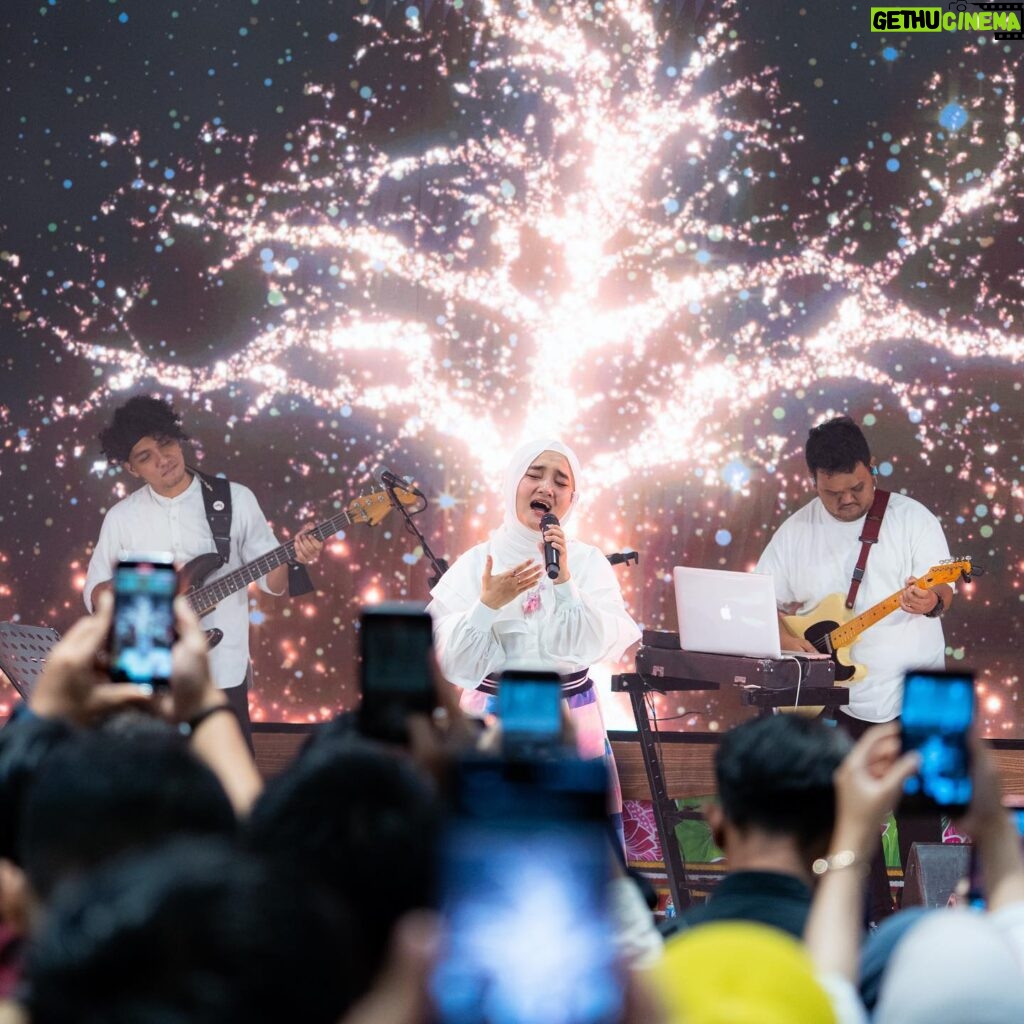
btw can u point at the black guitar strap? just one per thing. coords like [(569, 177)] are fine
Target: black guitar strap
[(217, 502), (872, 527)]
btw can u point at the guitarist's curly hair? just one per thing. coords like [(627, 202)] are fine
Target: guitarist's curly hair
[(836, 446), (139, 417)]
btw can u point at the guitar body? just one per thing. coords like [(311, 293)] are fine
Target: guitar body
[(191, 577), (816, 626)]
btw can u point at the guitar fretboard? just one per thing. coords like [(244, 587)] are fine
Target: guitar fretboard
[(205, 598), (844, 635)]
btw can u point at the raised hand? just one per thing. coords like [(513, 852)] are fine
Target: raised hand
[(74, 684), (498, 589)]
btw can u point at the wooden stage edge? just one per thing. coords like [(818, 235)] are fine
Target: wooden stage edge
[(687, 759), (688, 764)]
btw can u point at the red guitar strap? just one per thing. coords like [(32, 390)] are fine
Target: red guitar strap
[(872, 527)]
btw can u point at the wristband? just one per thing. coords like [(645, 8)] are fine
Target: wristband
[(936, 612), (834, 862), (189, 727)]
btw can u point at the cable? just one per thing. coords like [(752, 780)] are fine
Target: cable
[(799, 675)]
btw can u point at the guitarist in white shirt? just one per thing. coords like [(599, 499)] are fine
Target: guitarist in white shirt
[(169, 514), (814, 553)]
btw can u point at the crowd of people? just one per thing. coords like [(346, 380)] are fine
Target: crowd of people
[(147, 873)]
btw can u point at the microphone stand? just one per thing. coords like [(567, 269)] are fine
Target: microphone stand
[(392, 483)]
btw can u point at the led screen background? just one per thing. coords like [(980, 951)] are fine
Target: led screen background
[(341, 235)]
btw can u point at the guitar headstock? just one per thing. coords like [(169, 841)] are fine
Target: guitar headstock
[(373, 507), (963, 568)]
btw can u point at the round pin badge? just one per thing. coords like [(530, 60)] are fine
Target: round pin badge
[(218, 506)]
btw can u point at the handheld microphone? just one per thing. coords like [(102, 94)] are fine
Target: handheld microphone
[(551, 556)]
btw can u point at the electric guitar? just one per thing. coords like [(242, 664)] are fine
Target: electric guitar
[(369, 509), (830, 629)]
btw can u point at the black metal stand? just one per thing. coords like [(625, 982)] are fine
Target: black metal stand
[(393, 483), (667, 814)]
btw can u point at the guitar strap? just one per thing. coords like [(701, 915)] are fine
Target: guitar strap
[(217, 502), (869, 537)]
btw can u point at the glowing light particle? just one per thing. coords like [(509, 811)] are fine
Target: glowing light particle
[(953, 117)]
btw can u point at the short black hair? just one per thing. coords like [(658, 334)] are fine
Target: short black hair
[(25, 746), (359, 820), (139, 417), (775, 774), (101, 795), (836, 446), (194, 932)]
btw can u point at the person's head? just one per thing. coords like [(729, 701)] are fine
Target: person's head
[(102, 795), (25, 747), (732, 971), (145, 436), (542, 476), (191, 933), (358, 820), (952, 965), (839, 462), (774, 777)]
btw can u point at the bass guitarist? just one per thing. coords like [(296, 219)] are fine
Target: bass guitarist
[(817, 552), (179, 510)]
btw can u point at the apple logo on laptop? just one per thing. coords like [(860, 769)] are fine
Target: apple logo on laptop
[(726, 612)]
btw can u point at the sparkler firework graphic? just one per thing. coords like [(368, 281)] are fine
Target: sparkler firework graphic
[(498, 220)]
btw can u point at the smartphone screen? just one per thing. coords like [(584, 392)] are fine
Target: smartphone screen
[(395, 642), (530, 708), (143, 630), (527, 932), (938, 709)]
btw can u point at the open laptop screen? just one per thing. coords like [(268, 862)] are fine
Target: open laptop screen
[(727, 612)]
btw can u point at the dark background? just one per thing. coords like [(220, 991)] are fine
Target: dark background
[(339, 235)]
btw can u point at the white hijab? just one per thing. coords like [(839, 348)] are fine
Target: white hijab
[(512, 542)]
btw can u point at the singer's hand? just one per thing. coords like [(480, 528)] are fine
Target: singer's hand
[(498, 589), (555, 536)]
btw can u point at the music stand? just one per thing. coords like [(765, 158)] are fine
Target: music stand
[(23, 652)]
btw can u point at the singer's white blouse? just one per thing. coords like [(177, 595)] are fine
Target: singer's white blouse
[(564, 627)]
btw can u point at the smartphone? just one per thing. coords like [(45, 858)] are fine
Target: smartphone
[(530, 708), (143, 631), (938, 710), (395, 642), (527, 931)]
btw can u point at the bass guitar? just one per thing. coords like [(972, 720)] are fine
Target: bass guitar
[(829, 627), (369, 509)]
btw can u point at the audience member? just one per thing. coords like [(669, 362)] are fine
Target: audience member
[(101, 796), (774, 816), (739, 972), (952, 966), (24, 747), (193, 933), (361, 822)]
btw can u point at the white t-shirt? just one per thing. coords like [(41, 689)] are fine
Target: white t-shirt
[(813, 554), (145, 521)]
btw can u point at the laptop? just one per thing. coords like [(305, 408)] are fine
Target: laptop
[(727, 612)]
